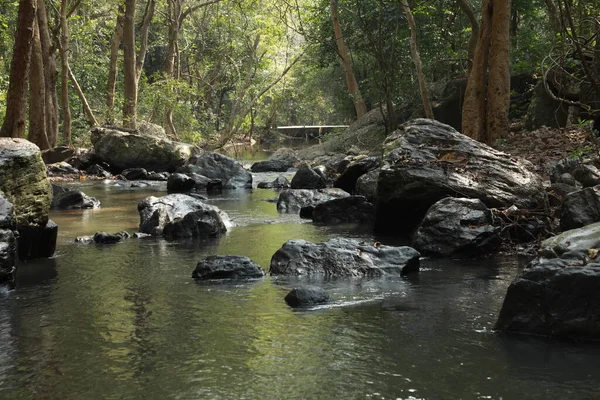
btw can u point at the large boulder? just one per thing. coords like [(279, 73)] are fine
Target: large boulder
[(555, 297), (456, 226), (217, 166), (8, 242), (306, 296), (580, 208), (308, 178), (227, 267), (25, 184), (343, 257), (57, 154), (366, 185), (293, 200), (352, 209), (545, 111), (180, 215), (426, 161), (67, 199), (271, 166), (124, 150), (580, 239), (348, 179), (285, 154)]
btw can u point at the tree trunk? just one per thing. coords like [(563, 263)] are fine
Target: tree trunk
[(50, 75), (129, 75), (175, 20), (474, 106), (414, 50), (14, 120), (144, 30), (498, 91), (64, 73), (112, 68), (86, 106), (37, 95), (353, 89), (466, 8)]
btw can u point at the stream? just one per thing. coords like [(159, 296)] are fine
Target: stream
[(126, 321)]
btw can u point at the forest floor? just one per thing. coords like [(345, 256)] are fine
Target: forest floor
[(544, 146)]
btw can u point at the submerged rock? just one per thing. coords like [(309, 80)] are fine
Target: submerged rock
[(227, 267), (343, 257), (180, 215), (456, 226), (293, 200), (426, 161), (216, 166), (306, 296)]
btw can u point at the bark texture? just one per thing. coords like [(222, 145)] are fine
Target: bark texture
[(129, 74)]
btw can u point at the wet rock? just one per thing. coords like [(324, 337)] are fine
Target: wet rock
[(98, 170), (168, 213), (180, 183), (285, 154), (348, 179), (307, 212), (586, 174), (124, 150), (554, 297), (7, 214), (158, 176), (456, 226), (426, 161), (140, 235), (281, 182), (227, 267), (271, 166), (308, 178), (293, 200), (352, 209), (8, 257), (107, 238), (343, 257), (306, 297), (37, 241), (61, 168), (366, 185), (66, 199), (219, 167), (135, 174), (580, 208)]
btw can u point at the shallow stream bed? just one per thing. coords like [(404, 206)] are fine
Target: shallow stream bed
[(126, 321)]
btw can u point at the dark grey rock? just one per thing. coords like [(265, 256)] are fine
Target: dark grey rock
[(343, 257), (219, 167), (180, 183), (586, 174), (544, 110), (285, 154), (348, 179), (366, 185), (135, 174), (158, 176), (580, 208), (98, 171), (107, 238), (271, 166), (61, 168), (292, 200), (353, 209), (281, 182), (306, 297), (201, 223), (66, 199), (158, 212), (425, 161), (227, 267), (456, 226), (8, 257), (308, 178), (57, 154), (37, 241), (7, 213)]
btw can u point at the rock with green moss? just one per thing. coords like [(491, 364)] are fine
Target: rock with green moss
[(124, 150), (24, 182)]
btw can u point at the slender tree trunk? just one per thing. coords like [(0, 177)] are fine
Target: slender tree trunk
[(86, 106), (112, 68), (144, 31), (175, 21), (353, 89), (474, 106), (37, 95), (50, 75), (14, 120), (129, 75), (498, 91), (64, 73), (414, 50), (466, 8)]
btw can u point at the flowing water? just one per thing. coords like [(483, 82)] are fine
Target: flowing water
[(126, 321)]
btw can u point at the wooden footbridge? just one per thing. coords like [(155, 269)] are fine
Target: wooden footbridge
[(308, 131)]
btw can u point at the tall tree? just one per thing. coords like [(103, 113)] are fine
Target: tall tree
[(416, 57), (487, 97), (129, 66), (14, 120), (50, 75), (37, 93), (466, 8), (64, 73), (112, 67), (351, 82)]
